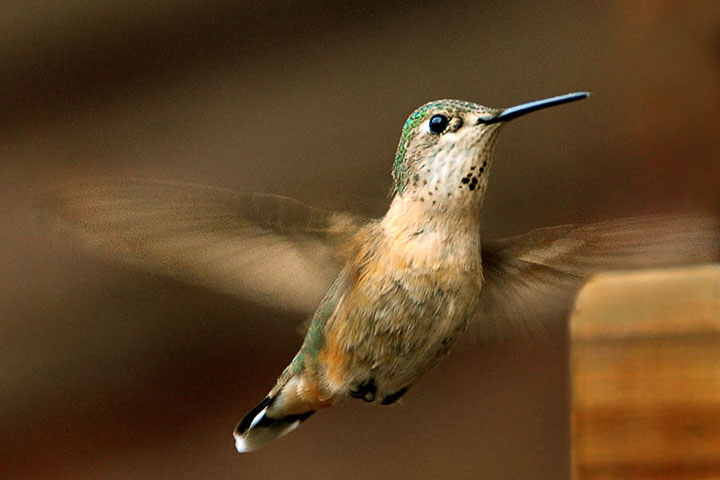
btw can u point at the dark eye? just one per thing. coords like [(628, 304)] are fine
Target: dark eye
[(438, 124)]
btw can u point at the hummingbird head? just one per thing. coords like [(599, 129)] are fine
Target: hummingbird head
[(445, 151)]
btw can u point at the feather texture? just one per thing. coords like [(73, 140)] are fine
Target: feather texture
[(534, 277), (265, 248), (276, 250)]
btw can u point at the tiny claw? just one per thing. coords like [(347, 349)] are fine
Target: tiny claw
[(366, 391)]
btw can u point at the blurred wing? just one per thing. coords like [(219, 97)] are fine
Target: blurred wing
[(534, 277), (262, 247)]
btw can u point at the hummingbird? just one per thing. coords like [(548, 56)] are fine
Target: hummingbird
[(390, 296)]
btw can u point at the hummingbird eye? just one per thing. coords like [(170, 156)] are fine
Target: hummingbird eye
[(438, 123)]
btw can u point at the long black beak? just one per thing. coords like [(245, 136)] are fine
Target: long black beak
[(520, 110)]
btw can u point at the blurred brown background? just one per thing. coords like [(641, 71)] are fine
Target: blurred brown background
[(107, 372)]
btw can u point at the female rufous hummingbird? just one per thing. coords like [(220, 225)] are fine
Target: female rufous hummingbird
[(405, 286)]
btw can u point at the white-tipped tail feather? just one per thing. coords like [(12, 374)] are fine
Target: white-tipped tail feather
[(258, 428)]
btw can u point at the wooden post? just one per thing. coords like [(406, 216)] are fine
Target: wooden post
[(645, 365)]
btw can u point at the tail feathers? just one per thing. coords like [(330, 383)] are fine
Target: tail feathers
[(258, 428)]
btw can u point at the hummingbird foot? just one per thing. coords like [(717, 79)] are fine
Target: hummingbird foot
[(365, 390)]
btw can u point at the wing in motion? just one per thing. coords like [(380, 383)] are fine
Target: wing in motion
[(261, 247), (535, 276), (279, 251)]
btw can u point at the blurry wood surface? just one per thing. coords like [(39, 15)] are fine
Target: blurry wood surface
[(645, 359)]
